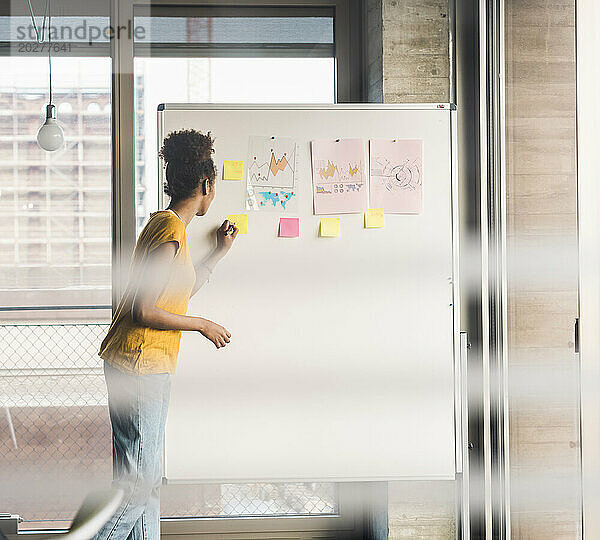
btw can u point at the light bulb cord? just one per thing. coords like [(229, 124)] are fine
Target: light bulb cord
[(40, 37), (35, 27), (49, 52)]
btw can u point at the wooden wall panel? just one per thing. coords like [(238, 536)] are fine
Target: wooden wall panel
[(421, 509), (542, 277)]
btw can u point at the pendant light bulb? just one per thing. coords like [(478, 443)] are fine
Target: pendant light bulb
[(50, 136)]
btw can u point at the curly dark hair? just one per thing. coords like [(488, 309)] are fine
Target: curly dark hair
[(188, 158)]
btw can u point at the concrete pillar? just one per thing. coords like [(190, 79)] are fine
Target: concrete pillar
[(408, 58)]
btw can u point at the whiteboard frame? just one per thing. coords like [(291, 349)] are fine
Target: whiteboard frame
[(459, 420), (299, 106)]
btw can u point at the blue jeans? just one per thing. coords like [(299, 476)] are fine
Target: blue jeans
[(138, 410)]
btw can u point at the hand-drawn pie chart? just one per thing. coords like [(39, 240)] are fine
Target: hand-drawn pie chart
[(405, 176)]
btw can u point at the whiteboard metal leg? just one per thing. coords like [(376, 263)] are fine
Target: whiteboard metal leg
[(462, 442)]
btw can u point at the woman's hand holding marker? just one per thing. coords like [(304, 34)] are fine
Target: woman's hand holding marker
[(226, 234)]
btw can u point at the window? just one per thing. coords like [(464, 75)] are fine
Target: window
[(49, 196), (55, 242)]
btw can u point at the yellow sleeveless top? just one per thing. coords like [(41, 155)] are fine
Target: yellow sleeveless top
[(142, 350)]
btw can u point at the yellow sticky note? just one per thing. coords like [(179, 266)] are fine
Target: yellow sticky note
[(233, 170), (240, 221), (374, 218), (330, 226)]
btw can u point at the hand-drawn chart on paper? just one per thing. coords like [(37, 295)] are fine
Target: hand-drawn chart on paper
[(271, 174), (339, 179), (396, 180)]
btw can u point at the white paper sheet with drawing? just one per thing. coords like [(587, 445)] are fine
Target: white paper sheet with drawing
[(396, 175), (339, 179), (271, 174)]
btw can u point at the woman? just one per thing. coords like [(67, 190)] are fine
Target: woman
[(141, 347)]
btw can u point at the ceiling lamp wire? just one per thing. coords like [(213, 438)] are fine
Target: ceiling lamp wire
[(40, 38)]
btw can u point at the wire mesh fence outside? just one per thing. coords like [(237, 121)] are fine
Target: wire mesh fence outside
[(55, 437), (249, 500)]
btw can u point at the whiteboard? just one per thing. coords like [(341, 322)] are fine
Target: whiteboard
[(341, 363)]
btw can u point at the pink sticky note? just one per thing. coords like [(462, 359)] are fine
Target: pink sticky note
[(289, 227)]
